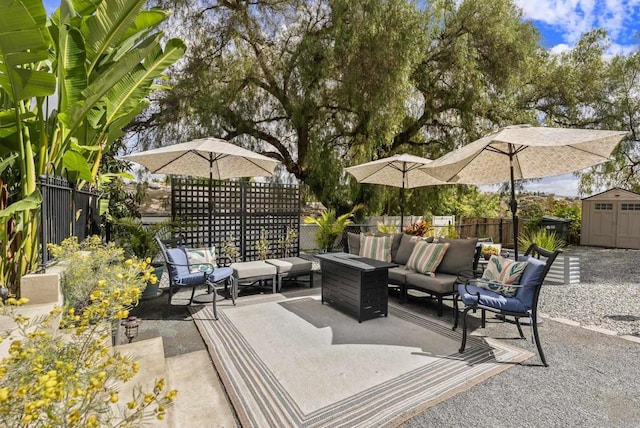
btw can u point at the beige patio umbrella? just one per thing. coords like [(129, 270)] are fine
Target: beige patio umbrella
[(206, 157), (524, 152), (402, 170)]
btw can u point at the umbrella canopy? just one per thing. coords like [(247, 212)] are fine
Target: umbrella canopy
[(524, 152), (206, 157), (401, 170)]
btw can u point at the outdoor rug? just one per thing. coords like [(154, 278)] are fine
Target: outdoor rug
[(299, 363)]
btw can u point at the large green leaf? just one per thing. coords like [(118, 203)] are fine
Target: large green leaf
[(103, 30), (23, 42), (137, 86), (5, 163), (31, 202), (71, 59), (77, 163)]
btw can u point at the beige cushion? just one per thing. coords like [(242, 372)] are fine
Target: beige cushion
[(398, 274), (441, 283), (252, 269), (291, 265)]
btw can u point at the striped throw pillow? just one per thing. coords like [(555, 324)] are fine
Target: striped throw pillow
[(376, 247), (504, 271), (198, 256), (426, 257)]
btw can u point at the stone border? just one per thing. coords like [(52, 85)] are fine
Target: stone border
[(597, 329)]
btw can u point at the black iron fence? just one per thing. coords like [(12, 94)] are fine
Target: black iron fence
[(246, 213), (66, 211)]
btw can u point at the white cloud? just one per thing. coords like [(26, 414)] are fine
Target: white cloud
[(558, 49), (572, 18)]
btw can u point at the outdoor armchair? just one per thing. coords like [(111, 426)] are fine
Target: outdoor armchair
[(182, 273), (524, 304)]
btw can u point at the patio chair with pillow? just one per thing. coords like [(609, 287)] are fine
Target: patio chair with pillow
[(183, 273), (507, 296)]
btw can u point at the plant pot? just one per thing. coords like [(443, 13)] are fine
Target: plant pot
[(487, 256), (153, 290)]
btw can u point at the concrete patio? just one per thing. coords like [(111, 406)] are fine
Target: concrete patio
[(592, 379)]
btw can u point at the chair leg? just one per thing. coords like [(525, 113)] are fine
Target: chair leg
[(215, 306), (519, 328), (455, 312), (537, 339), (464, 330), (310, 279), (233, 294), (483, 318), (193, 292), (440, 306)]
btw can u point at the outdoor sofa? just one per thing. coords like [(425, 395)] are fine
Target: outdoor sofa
[(458, 263)]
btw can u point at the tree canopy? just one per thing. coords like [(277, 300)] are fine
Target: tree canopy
[(324, 84)]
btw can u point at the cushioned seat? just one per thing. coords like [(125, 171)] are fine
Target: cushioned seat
[(254, 271), (498, 296), (184, 273), (469, 296), (291, 267)]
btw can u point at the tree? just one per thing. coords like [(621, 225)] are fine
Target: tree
[(325, 84), (101, 60)]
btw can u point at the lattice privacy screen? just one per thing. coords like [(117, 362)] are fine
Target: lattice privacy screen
[(241, 211)]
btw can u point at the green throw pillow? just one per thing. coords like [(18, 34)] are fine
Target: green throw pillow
[(199, 256), (426, 257), (376, 247)]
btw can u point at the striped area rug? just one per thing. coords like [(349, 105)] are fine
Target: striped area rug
[(299, 363)]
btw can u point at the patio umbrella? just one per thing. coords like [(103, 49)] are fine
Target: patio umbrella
[(401, 170), (523, 152), (206, 157)]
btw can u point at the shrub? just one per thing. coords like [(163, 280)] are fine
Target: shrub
[(70, 376), (542, 237), (422, 228)]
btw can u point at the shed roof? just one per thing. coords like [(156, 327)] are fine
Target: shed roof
[(615, 194)]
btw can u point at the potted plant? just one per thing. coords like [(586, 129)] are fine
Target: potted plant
[(489, 250), (330, 227), (138, 240)]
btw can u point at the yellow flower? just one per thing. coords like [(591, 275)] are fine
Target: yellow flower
[(114, 397), (132, 405), (148, 398), (4, 394)]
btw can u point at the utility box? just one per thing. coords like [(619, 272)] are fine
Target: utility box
[(558, 225)]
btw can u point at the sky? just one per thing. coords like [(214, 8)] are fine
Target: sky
[(561, 23)]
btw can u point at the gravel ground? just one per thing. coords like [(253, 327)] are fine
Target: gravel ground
[(608, 295), (593, 379)]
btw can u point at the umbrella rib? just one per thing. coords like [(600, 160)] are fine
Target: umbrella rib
[(169, 163)]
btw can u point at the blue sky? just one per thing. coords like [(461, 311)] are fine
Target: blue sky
[(561, 23)]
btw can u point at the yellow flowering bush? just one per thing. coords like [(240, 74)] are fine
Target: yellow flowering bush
[(71, 376)]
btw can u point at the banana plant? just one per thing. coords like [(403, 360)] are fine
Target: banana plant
[(69, 84)]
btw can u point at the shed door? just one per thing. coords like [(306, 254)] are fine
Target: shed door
[(628, 233), (603, 224)]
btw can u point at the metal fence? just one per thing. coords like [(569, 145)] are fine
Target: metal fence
[(209, 213), (66, 211)]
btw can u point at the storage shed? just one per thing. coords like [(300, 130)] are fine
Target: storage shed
[(611, 219)]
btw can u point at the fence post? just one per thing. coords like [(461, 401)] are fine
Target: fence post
[(44, 216)]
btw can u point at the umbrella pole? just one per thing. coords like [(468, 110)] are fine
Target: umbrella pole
[(210, 200), (513, 204), (402, 206)]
